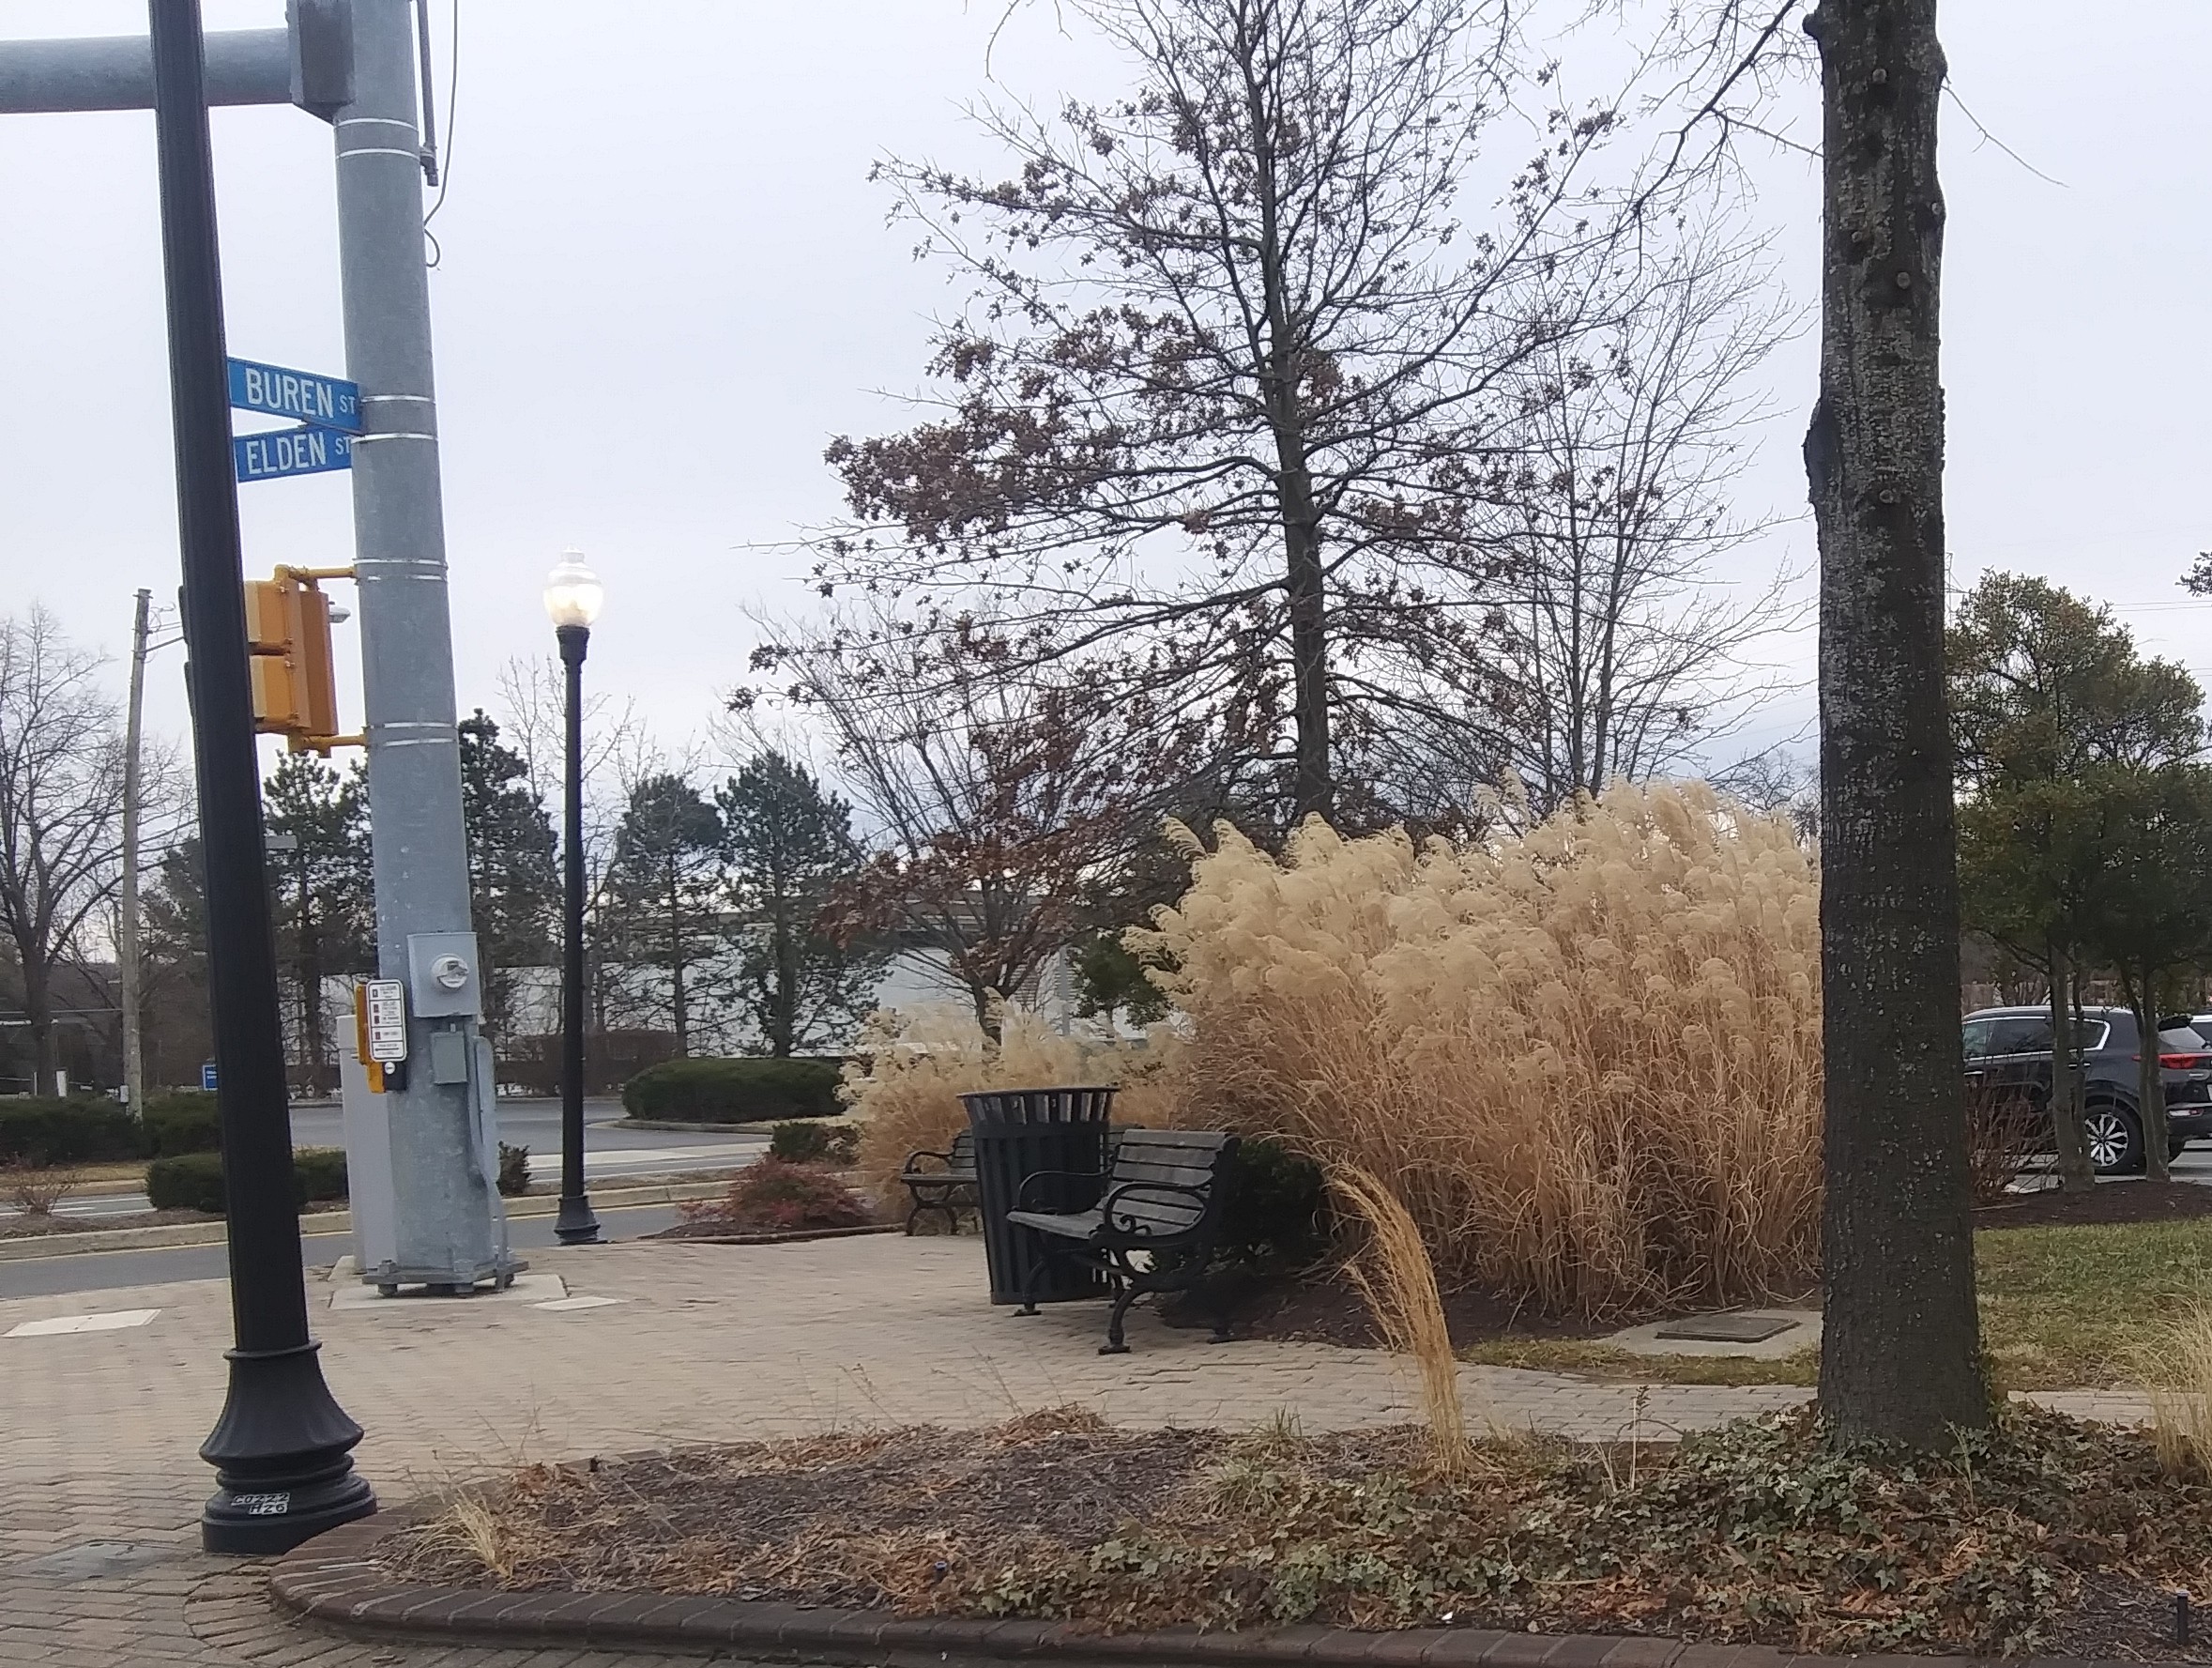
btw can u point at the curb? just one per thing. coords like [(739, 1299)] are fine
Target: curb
[(683, 1126), (216, 1234), (331, 1581)]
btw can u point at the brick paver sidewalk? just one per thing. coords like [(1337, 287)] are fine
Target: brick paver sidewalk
[(101, 1488)]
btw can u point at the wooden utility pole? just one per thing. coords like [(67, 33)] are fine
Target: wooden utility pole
[(127, 934)]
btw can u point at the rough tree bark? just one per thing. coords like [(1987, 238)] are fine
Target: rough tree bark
[(1900, 1357)]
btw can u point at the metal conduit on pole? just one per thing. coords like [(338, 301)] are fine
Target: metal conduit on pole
[(282, 1448)]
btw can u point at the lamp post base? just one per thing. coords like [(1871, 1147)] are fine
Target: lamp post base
[(575, 1225), (283, 1456)]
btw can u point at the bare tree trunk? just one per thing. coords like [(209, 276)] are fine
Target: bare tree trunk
[(1900, 1357), (783, 1031), (2075, 1175), (2150, 1086), (38, 1016)]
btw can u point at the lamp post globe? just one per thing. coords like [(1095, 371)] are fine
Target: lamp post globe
[(573, 596)]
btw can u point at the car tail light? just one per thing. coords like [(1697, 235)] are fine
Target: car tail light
[(2184, 1062)]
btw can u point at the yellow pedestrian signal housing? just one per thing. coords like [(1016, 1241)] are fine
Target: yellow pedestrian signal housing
[(295, 684)]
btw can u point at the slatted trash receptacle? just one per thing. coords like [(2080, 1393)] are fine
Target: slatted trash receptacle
[(1025, 1132)]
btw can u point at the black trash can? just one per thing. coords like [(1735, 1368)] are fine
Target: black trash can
[(1019, 1133)]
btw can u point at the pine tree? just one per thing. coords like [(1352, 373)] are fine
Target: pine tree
[(323, 900), (514, 881), (788, 845), (664, 895)]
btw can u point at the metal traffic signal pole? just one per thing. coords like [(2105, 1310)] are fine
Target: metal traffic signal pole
[(447, 1228), (423, 1154), (282, 1446)]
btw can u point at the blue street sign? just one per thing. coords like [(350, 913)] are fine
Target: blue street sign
[(290, 451), (207, 1075), (327, 402)]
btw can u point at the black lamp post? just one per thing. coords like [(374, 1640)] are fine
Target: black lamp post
[(572, 597), (282, 1446)]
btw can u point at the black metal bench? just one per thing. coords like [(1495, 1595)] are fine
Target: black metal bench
[(949, 1187), (1161, 1199)]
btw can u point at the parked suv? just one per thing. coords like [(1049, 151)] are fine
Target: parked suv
[(2008, 1056)]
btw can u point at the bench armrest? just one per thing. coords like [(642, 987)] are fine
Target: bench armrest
[(943, 1159), (1152, 1189), (1021, 1194)]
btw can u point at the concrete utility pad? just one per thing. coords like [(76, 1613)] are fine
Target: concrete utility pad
[(348, 1293), (1764, 1334)]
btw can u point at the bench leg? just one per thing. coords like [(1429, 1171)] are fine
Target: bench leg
[(1034, 1277), (912, 1211), (1125, 1294)]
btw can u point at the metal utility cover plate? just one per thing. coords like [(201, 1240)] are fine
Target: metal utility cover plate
[(1727, 1328)]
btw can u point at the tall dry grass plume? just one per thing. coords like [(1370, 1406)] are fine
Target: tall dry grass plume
[(915, 1064), (1585, 1058), (1395, 1277), (2178, 1375)]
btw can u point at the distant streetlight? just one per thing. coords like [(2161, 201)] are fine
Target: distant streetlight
[(573, 599)]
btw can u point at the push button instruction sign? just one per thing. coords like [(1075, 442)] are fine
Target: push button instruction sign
[(384, 1019)]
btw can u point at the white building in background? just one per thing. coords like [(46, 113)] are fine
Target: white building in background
[(912, 979)]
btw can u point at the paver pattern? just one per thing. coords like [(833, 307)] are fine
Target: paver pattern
[(100, 1489)]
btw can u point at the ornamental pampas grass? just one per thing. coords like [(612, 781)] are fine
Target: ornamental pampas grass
[(1587, 1059)]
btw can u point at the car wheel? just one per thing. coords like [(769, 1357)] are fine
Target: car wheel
[(2115, 1145)]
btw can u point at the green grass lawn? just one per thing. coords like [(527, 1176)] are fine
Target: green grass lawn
[(2061, 1308)]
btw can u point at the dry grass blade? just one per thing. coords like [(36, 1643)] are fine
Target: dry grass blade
[(1396, 1278)]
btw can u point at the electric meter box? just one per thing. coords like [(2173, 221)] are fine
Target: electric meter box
[(444, 981)]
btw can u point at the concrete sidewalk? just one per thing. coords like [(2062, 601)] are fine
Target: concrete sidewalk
[(101, 1491)]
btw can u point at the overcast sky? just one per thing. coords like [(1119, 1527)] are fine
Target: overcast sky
[(667, 282)]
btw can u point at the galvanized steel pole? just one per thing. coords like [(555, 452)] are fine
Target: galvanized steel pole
[(449, 1227)]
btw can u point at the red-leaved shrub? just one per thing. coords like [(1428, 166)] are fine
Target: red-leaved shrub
[(770, 1196)]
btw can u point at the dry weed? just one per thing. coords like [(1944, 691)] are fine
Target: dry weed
[(35, 1189), (1585, 1058), (1399, 1281)]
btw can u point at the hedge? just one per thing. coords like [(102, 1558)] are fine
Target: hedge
[(193, 1181), (750, 1091), (815, 1143), (182, 1121), (81, 1129)]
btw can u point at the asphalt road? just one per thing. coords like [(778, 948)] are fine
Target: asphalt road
[(106, 1271), (610, 1152)]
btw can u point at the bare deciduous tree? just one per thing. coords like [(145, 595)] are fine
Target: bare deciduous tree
[(1901, 1359), (1231, 384), (1622, 651), (993, 803), (61, 810)]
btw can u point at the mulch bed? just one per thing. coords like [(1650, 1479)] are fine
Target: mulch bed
[(709, 1232), (1326, 1307), (2121, 1200), (2044, 1536)]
